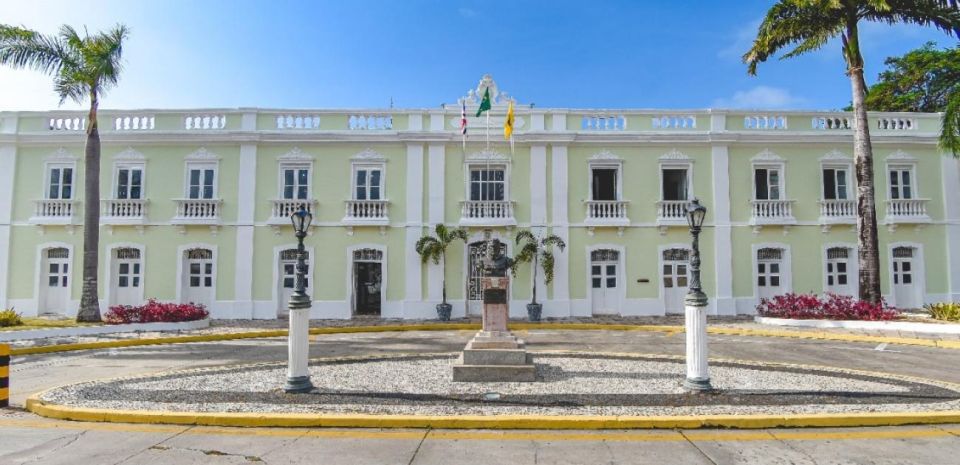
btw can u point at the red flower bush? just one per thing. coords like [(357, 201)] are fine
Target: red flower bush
[(829, 307), (155, 311)]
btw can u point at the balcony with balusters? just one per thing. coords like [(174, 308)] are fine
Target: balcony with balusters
[(771, 212), (607, 213), (906, 211), (366, 213), (672, 213), (197, 212), (281, 209), (837, 211), (49, 212), (123, 211), (487, 213)]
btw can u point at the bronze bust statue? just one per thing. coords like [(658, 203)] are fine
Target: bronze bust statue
[(495, 262)]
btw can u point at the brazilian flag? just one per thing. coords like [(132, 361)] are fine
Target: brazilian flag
[(485, 103)]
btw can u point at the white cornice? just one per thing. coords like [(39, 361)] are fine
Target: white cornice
[(130, 154), (675, 155), (766, 155), (296, 154), (369, 155), (605, 156), (61, 154), (836, 156), (202, 154), (900, 155)]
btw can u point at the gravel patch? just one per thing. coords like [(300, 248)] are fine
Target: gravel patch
[(570, 384)]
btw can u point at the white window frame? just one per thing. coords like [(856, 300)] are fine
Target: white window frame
[(491, 166), (351, 291), (356, 167), (294, 166), (769, 166), (910, 167), (109, 276), (850, 189), (61, 165), (786, 266), (919, 270), (181, 253), (120, 166), (202, 166), (853, 264), (678, 166), (621, 274), (41, 273), (605, 160), (487, 159)]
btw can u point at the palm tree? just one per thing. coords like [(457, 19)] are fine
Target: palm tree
[(807, 25), (539, 251), (434, 248), (950, 125), (82, 67)]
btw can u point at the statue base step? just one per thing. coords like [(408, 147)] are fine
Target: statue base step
[(494, 356)]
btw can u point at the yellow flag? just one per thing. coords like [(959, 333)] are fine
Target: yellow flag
[(508, 124)]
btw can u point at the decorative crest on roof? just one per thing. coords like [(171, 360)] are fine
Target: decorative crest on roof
[(767, 155), (368, 154), (295, 154)]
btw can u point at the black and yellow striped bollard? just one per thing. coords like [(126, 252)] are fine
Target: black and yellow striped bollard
[(4, 375)]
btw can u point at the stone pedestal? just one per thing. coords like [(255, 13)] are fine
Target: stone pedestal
[(495, 354)]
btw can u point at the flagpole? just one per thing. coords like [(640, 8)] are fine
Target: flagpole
[(488, 129)]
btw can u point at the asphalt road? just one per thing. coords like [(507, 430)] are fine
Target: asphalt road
[(25, 438)]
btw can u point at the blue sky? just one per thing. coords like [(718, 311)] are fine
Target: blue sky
[(422, 53)]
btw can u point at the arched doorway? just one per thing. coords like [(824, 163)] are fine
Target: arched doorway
[(54, 280), (367, 282), (197, 276), (127, 272), (675, 271), (605, 285), (287, 277)]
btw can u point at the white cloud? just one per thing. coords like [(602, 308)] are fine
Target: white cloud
[(760, 97), (741, 41), (29, 90)]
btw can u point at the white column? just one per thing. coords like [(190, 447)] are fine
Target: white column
[(8, 165), (560, 225), (435, 214), (298, 351), (722, 234), (246, 201), (698, 376), (950, 169), (414, 226), (538, 204)]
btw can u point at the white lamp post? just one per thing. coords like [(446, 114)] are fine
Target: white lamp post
[(695, 318), (298, 340)]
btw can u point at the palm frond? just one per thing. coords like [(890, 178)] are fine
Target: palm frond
[(950, 125), (943, 15), (526, 253), (524, 235), (553, 240), (808, 24), (23, 48), (459, 234), (546, 262), (426, 247)]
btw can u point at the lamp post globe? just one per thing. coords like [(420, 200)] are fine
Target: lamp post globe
[(695, 316), (298, 340)]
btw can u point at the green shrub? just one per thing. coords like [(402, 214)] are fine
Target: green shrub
[(10, 318), (947, 311)]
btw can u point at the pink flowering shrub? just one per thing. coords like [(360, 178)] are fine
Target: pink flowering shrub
[(155, 311), (829, 307)]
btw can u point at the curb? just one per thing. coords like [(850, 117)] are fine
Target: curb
[(820, 335), (19, 335), (36, 405), (927, 328)]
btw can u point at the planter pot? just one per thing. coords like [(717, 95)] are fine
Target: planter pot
[(534, 311), (443, 311)]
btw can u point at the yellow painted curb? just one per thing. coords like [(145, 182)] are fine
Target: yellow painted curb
[(819, 335), (534, 422)]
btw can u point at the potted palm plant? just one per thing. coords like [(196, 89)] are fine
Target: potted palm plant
[(539, 252), (434, 248)]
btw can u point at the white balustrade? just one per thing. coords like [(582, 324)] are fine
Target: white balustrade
[(603, 122), (67, 124), (772, 211), (606, 209), (205, 122), (298, 121), (366, 210), (765, 122), (907, 209), (134, 123), (495, 210), (831, 122), (197, 210), (896, 124), (52, 209), (672, 211), (838, 209), (674, 122), (123, 209), (372, 122), (281, 209)]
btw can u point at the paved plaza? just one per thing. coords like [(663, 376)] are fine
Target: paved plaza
[(31, 439)]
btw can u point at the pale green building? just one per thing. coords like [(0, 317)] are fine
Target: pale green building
[(195, 206)]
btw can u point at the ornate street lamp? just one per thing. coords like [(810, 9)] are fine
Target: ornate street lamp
[(298, 340), (695, 318)]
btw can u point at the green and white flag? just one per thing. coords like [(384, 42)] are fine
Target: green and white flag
[(485, 103)]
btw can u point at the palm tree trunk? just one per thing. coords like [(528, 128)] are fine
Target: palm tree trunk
[(89, 300), (867, 243)]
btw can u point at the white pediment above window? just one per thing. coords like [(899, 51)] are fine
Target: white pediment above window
[(130, 155), (487, 156), (675, 155), (901, 156), (766, 156), (203, 155), (605, 156), (836, 156), (296, 155), (369, 155), (61, 155)]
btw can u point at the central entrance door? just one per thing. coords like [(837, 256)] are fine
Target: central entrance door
[(604, 281), (675, 279), (198, 276), (474, 286), (367, 282), (127, 275), (54, 284), (288, 278), (905, 293)]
